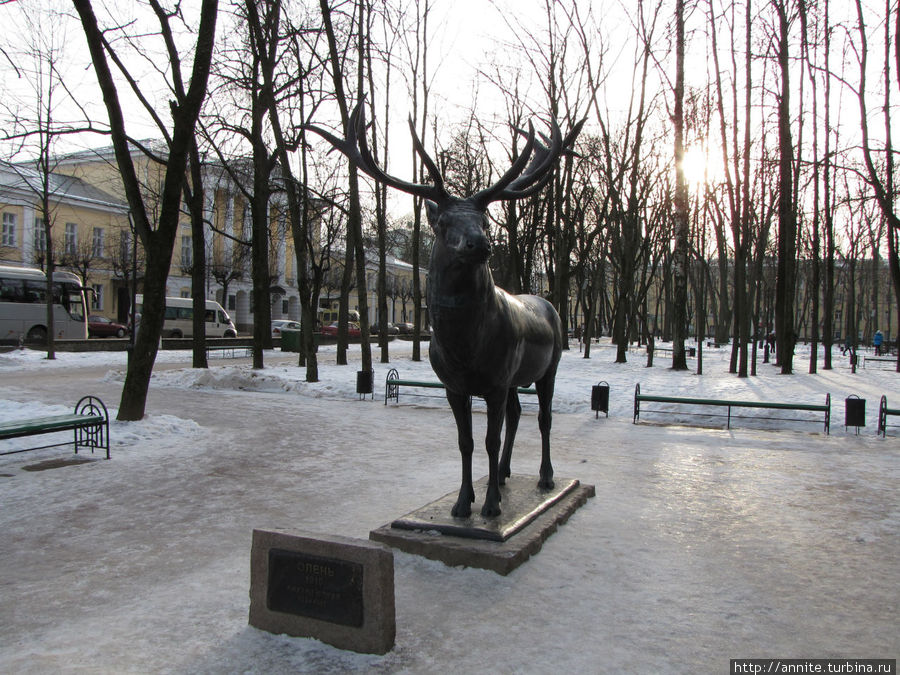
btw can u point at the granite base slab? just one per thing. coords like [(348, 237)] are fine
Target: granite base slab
[(529, 516)]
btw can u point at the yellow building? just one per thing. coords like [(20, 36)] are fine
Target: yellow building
[(92, 236), (87, 225), (227, 224)]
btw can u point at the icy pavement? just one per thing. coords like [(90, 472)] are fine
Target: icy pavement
[(702, 544)]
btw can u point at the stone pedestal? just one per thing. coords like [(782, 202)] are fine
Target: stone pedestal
[(529, 515)]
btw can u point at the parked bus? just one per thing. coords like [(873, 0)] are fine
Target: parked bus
[(23, 305), (180, 318)]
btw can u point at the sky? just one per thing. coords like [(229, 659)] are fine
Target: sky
[(464, 37)]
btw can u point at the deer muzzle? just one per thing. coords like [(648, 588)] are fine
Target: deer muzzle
[(476, 249)]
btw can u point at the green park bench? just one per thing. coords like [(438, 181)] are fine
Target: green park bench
[(89, 423), (228, 351), (878, 359), (392, 384), (728, 405), (883, 413)]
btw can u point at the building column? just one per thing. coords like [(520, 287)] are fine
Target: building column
[(28, 216), (228, 227), (209, 205)]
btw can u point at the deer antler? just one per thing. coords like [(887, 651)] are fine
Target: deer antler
[(355, 146), (516, 183), (529, 173)]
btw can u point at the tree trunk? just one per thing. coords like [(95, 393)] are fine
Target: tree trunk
[(787, 224), (195, 197), (680, 215)]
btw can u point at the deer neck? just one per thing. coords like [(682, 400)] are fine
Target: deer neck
[(459, 294)]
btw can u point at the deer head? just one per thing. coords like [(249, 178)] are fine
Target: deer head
[(459, 223)]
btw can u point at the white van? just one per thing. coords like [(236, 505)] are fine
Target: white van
[(180, 318), (327, 317)]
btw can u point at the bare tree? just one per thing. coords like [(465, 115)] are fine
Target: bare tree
[(231, 268), (680, 215), (387, 18), (126, 259), (354, 220), (194, 199), (158, 238), (736, 155), (33, 128), (787, 216), (80, 257), (881, 180)]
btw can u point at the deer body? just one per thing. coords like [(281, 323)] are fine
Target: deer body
[(463, 349), (484, 342)]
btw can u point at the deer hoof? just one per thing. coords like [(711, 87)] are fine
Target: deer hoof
[(546, 483), (461, 509), (490, 510), (503, 474)]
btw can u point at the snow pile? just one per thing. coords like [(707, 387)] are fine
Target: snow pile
[(575, 378)]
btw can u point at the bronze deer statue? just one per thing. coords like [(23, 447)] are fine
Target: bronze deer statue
[(484, 341)]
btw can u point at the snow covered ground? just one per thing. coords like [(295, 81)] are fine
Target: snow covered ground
[(702, 544)]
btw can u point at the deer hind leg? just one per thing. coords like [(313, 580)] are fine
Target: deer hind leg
[(545, 419), (513, 412), (462, 412)]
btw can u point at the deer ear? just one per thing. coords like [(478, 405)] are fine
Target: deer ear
[(431, 212)]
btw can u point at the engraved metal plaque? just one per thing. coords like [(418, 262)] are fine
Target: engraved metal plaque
[(328, 589)]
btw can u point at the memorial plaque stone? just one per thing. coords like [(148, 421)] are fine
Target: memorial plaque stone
[(334, 589), (327, 589)]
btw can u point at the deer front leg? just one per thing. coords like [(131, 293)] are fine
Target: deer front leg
[(496, 404), (513, 413), (461, 406)]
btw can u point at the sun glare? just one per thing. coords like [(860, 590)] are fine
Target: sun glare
[(701, 167)]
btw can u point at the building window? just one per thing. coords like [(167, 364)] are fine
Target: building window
[(97, 242), (187, 251), (97, 297), (9, 230), (71, 238), (40, 241), (232, 302)]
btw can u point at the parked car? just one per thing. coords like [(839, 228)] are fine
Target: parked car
[(391, 329), (352, 329), (100, 326), (404, 328), (279, 325)]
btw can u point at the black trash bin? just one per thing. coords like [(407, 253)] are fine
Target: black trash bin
[(365, 383), (290, 340), (600, 398), (854, 412)]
